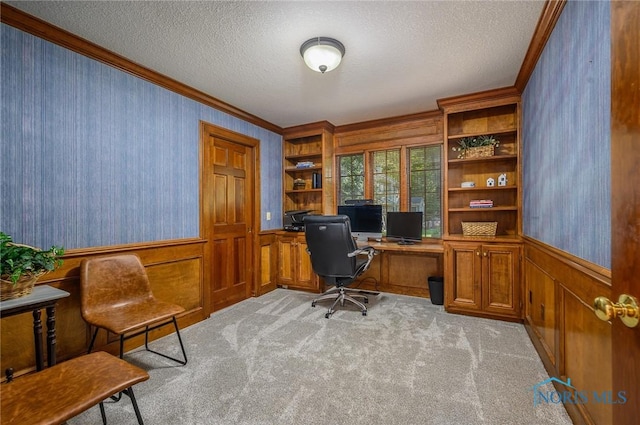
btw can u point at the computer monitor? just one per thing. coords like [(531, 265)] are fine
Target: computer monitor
[(366, 220), (404, 226)]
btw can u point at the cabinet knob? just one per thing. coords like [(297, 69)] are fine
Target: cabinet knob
[(484, 254), (478, 253)]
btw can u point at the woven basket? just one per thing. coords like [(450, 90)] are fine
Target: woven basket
[(24, 286), (479, 228), (479, 152)]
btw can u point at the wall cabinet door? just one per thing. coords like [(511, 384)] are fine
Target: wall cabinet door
[(286, 260), (483, 278), (463, 276), (267, 259), (304, 271), (500, 279), (294, 263)]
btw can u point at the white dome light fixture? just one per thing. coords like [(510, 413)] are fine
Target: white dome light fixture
[(322, 54)]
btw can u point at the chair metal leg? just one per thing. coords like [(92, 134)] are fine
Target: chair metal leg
[(135, 405), (93, 340), (341, 298), (104, 416), (175, 325), (327, 295), (363, 308)]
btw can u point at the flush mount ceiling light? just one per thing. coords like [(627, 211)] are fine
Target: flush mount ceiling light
[(322, 54)]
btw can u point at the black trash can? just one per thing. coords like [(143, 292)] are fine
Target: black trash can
[(436, 289)]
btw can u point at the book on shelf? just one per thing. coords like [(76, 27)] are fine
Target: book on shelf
[(481, 203)]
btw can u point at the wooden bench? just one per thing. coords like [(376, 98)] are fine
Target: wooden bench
[(56, 394)]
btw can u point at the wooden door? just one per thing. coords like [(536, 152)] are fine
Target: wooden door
[(228, 195), (463, 276), (625, 201), (500, 282)]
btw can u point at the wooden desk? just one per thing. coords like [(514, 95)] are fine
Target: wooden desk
[(43, 296), (402, 269), (431, 248)]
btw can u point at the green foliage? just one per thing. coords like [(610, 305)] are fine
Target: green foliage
[(17, 260)]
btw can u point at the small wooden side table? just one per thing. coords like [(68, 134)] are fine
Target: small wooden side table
[(43, 296)]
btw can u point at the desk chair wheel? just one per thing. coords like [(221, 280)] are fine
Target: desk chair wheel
[(327, 315), (313, 304), (364, 312)]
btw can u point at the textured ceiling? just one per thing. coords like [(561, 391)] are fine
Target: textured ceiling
[(400, 56)]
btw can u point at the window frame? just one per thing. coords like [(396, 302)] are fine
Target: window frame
[(405, 201)]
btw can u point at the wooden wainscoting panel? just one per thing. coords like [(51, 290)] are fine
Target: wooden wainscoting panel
[(179, 282), (175, 271), (580, 342), (16, 343), (406, 273), (540, 307), (587, 355)]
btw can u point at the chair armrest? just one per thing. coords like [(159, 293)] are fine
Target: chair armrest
[(368, 250)]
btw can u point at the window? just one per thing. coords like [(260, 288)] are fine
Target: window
[(351, 177), (386, 180), (425, 187), (399, 179)]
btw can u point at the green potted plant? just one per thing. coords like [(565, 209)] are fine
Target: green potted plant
[(21, 265), (476, 146)]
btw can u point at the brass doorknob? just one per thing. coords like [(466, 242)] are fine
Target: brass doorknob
[(626, 309)]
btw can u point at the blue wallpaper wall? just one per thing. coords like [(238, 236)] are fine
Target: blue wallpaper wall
[(93, 156), (566, 136)]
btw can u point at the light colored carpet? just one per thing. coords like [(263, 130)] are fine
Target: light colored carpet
[(276, 360)]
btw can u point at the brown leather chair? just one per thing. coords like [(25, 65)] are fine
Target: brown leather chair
[(115, 295)]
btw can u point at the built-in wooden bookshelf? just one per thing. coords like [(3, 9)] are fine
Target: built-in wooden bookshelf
[(482, 273), (312, 144), (499, 118)]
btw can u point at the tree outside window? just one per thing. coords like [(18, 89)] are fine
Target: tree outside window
[(351, 168), (386, 180), (425, 187)]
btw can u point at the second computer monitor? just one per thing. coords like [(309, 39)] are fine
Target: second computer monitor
[(405, 227)]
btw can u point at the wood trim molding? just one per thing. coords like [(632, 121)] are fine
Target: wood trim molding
[(595, 271), (32, 25), (111, 249), (467, 100), (383, 122), (310, 129), (546, 24)]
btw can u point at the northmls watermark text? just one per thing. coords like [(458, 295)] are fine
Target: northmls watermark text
[(542, 396)]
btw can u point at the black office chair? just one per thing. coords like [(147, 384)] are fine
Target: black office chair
[(334, 254)]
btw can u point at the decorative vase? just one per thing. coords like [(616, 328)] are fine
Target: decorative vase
[(24, 286)]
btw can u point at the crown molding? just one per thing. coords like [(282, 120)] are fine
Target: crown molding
[(547, 22)]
